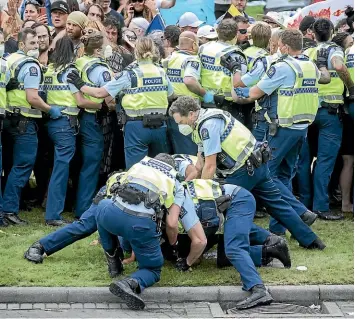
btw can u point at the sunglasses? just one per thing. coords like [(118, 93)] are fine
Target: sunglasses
[(135, 1), (33, 2), (243, 31)]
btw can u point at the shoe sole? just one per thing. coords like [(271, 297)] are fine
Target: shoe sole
[(264, 301), (132, 301), (36, 261)]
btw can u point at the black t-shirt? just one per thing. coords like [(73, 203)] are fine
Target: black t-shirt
[(11, 46)]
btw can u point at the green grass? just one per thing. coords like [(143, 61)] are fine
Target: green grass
[(83, 265), (254, 11)]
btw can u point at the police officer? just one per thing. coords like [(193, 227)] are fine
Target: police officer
[(135, 214), (24, 106), (327, 120), (229, 147), (146, 89), (215, 78), (291, 83), (183, 68), (94, 72)]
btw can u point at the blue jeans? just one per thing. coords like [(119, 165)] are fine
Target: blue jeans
[(140, 232), (260, 130), (264, 188), (63, 137), (285, 145), (238, 223), (24, 156), (140, 141), (92, 147), (71, 233), (351, 109), (181, 144)]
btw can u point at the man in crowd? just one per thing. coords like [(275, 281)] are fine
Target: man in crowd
[(59, 16), (189, 22), (75, 26), (171, 39), (306, 27), (44, 38), (242, 35)]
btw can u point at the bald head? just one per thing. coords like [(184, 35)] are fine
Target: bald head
[(187, 40), (275, 36)]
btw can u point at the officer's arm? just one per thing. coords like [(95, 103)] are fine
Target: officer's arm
[(99, 93), (198, 243), (191, 173), (237, 76), (194, 86), (82, 102), (343, 72), (192, 77), (324, 76), (200, 163), (254, 94), (35, 100), (209, 169), (172, 223)]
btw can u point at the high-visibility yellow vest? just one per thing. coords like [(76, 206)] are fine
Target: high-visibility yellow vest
[(84, 65), (203, 189), (300, 103), (17, 98), (175, 69), (155, 175), (113, 179), (333, 91), (349, 61), (149, 91), (237, 142), (3, 98), (252, 53), (215, 77), (58, 92)]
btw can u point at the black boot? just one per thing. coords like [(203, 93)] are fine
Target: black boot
[(114, 263), (128, 290), (276, 247), (13, 219), (3, 221), (259, 296), (309, 217), (317, 244), (35, 253)]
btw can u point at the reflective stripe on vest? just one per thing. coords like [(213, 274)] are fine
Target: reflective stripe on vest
[(237, 142), (214, 77), (3, 97), (58, 92), (84, 65), (333, 91), (155, 175), (252, 53), (17, 98), (175, 69), (299, 104), (148, 92)]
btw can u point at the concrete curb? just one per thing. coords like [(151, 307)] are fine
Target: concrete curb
[(299, 294)]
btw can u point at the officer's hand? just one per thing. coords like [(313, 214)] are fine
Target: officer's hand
[(231, 64), (322, 58), (242, 92), (55, 113), (208, 97), (12, 85), (182, 265), (75, 79)]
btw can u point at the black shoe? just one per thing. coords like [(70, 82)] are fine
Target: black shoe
[(13, 219), (260, 212), (127, 289), (276, 247), (3, 221), (259, 296), (35, 253), (57, 222), (317, 244), (329, 215), (309, 217), (114, 263), (222, 260)]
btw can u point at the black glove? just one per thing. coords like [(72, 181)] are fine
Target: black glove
[(231, 64), (12, 85), (75, 79), (182, 265), (351, 93), (322, 58), (175, 251)]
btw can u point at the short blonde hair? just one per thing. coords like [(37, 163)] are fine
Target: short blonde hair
[(145, 49), (261, 34)]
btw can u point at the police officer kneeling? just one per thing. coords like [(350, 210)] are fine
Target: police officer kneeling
[(136, 213)]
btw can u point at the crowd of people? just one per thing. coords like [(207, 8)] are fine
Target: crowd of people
[(189, 133)]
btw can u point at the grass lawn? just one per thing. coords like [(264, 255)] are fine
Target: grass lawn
[(253, 11), (83, 265)]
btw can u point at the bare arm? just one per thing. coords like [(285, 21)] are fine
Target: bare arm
[(200, 163), (198, 243), (194, 86), (99, 93), (34, 99), (172, 223), (254, 94), (343, 72), (324, 76), (167, 4), (82, 102), (209, 169), (191, 173), (237, 79)]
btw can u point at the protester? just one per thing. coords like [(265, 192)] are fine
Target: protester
[(206, 34), (139, 26), (59, 16), (171, 39), (44, 39), (306, 27), (189, 22), (105, 4), (95, 13)]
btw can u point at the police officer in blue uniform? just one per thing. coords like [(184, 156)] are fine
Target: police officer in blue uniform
[(146, 89), (24, 106)]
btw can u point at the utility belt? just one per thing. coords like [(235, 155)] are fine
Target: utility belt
[(333, 108), (153, 120), (219, 102), (99, 115), (18, 120), (261, 155)]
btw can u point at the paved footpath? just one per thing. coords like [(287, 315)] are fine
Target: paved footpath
[(340, 309)]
